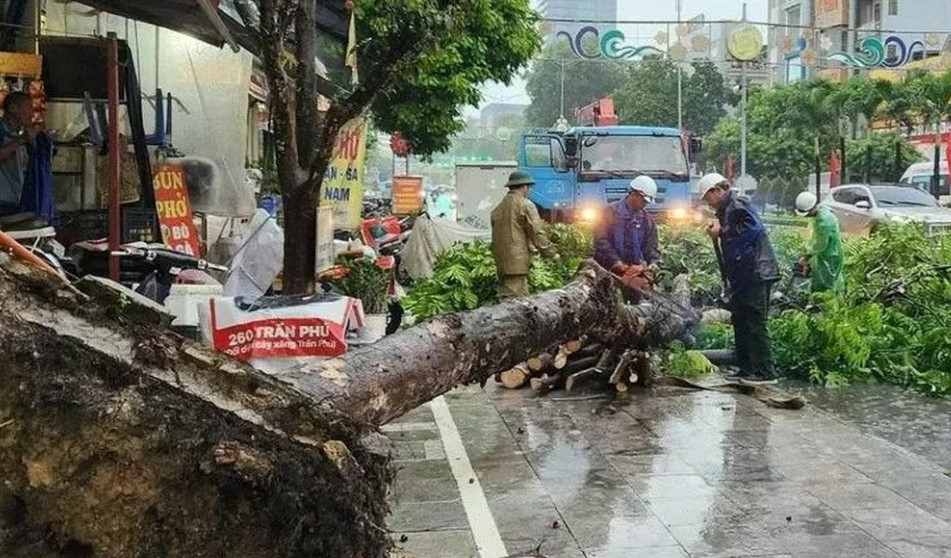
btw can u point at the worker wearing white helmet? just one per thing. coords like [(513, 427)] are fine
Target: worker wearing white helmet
[(627, 236), (709, 183), (749, 266), (824, 264)]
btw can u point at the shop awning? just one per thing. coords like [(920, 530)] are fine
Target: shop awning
[(184, 16), (191, 18)]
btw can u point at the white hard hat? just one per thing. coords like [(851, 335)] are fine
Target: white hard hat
[(645, 185), (709, 182), (805, 202)]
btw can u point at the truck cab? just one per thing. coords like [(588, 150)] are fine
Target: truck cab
[(580, 172)]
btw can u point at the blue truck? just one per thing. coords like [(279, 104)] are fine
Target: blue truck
[(580, 171)]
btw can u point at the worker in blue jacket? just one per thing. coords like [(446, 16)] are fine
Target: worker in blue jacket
[(627, 235), (750, 268)]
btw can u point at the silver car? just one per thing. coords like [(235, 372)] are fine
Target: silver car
[(859, 207)]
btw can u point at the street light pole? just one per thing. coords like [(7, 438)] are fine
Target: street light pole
[(743, 86), (743, 127), (562, 112), (680, 75), (561, 124)]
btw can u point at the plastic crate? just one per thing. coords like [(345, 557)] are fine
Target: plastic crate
[(77, 226), (138, 225)]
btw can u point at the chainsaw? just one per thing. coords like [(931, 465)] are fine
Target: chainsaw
[(637, 278)]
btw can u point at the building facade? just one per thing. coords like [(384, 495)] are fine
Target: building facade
[(585, 10), (840, 25)]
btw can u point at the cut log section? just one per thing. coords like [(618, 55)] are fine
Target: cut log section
[(187, 453), (541, 362), (598, 369), (575, 345), (516, 377), (554, 381), (622, 370)]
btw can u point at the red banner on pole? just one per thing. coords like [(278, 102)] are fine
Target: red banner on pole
[(835, 169), (174, 210), (947, 158)]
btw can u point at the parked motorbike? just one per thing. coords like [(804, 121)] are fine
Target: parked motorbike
[(387, 236), (167, 265)]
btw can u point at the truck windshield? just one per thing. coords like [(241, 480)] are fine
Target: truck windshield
[(633, 153)]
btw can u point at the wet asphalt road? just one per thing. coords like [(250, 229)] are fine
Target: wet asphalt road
[(857, 473)]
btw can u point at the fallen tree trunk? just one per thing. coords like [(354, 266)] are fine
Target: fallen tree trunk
[(380, 382), (122, 439)]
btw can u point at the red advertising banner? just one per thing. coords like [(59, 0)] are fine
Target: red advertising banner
[(174, 210), (281, 337), (267, 335)]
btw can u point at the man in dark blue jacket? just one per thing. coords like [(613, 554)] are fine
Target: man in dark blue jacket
[(750, 267), (627, 236)]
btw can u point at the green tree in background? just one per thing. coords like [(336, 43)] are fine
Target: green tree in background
[(585, 82), (783, 124), (421, 62), (880, 157), (649, 92)]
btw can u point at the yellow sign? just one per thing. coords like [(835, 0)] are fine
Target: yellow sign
[(22, 65), (745, 42), (343, 182)]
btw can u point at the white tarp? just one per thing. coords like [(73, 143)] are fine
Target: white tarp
[(259, 259), (431, 237)]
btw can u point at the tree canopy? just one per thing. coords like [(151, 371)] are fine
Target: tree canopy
[(420, 63), (585, 82), (785, 122), (648, 95)]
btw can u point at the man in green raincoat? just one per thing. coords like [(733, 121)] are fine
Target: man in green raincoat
[(825, 262)]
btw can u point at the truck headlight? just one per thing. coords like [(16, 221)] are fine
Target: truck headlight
[(588, 214)]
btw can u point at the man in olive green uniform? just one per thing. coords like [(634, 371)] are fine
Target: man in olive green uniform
[(516, 228)]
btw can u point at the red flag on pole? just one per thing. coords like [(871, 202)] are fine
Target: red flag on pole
[(947, 157), (835, 169), (728, 168)]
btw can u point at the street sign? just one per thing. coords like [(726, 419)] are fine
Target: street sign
[(407, 195), (399, 144), (745, 42)]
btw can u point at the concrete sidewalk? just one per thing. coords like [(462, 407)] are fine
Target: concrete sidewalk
[(678, 474)]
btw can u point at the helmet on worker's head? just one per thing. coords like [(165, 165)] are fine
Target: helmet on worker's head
[(645, 186), (805, 202), (710, 182)]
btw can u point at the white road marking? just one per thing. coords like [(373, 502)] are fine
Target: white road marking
[(484, 530)]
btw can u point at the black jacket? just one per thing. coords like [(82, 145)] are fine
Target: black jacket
[(747, 253)]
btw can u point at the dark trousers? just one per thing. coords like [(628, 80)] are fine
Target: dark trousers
[(750, 309)]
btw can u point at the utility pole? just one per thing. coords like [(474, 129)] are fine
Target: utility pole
[(561, 113), (680, 75), (743, 87), (561, 125)]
